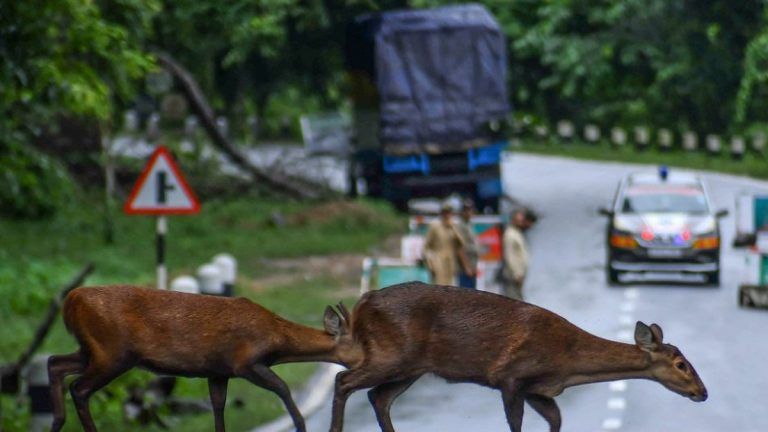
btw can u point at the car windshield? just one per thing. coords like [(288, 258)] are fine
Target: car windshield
[(664, 199)]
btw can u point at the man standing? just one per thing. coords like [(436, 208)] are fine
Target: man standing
[(515, 263), (469, 241), (443, 248)]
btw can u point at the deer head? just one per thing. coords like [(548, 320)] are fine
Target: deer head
[(668, 366), (338, 323)]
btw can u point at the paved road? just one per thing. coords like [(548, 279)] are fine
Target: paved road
[(727, 345)]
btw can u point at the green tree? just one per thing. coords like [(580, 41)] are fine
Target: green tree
[(58, 59)]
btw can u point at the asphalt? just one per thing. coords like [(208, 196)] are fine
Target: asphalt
[(726, 344)]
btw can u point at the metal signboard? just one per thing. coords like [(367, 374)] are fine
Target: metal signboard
[(161, 189)]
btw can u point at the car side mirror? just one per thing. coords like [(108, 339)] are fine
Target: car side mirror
[(605, 212), (721, 213)]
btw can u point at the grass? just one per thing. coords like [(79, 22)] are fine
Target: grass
[(38, 257), (753, 164)]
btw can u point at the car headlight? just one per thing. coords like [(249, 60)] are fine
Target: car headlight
[(707, 225), (629, 224)]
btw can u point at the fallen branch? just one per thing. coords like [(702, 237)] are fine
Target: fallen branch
[(53, 310), (10, 373), (292, 187)]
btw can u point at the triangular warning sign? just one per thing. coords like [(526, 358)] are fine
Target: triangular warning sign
[(161, 189)]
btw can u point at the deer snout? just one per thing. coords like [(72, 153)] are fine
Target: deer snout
[(700, 395)]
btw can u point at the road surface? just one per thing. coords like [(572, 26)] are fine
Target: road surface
[(726, 344)]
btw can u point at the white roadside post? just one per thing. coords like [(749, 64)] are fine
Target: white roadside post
[(39, 392), (160, 191), (642, 138), (738, 147), (185, 284), (592, 133), (690, 141), (618, 136), (228, 267), (758, 142), (714, 144), (565, 130), (666, 139), (209, 276)]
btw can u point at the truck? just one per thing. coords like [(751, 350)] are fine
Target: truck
[(429, 96)]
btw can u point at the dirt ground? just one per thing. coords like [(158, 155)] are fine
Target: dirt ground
[(344, 267)]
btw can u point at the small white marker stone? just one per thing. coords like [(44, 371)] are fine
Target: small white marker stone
[(617, 403), (612, 424), (618, 386)]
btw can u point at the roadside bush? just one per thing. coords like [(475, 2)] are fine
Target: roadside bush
[(32, 185)]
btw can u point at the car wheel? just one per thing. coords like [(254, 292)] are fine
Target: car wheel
[(713, 278), (612, 276)]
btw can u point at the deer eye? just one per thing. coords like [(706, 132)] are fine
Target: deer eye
[(681, 366)]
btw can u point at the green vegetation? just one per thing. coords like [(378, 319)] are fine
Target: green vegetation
[(753, 165), (38, 257)]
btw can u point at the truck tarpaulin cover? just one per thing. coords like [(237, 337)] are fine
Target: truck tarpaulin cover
[(440, 74)]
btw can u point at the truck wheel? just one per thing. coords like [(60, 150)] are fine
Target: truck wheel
[(713, 278)]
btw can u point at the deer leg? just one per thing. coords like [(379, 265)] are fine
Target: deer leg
[(94, 377), (346, 383), (381, 398), (513, 397), (547, 408), (217, 388), (58, 368), (264, 377)]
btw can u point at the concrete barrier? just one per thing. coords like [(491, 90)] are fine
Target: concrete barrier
[(185, 284), (209, 277)]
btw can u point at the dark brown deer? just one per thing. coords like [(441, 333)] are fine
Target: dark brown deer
[(122, 327), (527, 352)]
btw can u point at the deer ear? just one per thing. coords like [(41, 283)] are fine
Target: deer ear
[(644, 337), (332, 322), (658, 334)]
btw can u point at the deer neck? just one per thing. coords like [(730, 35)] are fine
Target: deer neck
[(598, 360), (307, 344)]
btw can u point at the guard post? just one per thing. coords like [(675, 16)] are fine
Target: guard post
[(39, 392)]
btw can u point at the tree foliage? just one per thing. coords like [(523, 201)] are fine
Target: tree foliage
[(684, 64)]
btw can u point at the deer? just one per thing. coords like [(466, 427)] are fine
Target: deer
[(190, 335), (528, 353)]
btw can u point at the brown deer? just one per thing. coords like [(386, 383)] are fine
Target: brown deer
[(122, 327), (527, 352)]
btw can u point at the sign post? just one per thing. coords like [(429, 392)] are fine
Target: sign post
[(160, 191)]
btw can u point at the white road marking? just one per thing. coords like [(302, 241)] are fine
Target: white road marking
[(617, 403), (631, 293), (627, 306), (612, 423), (618, 386)]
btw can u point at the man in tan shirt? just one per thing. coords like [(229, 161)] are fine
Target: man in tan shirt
[(443, 248), (515, 248)]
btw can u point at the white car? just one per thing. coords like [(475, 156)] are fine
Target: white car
[(661, 225)]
